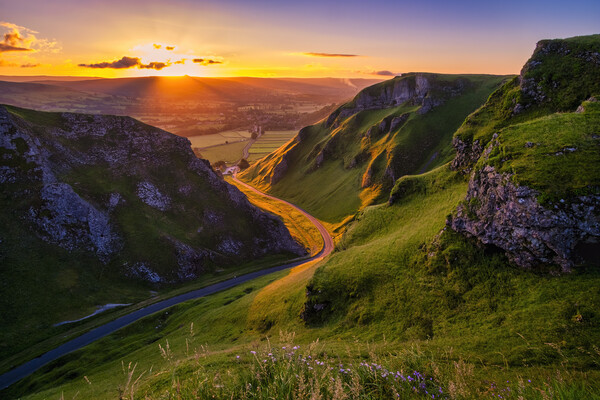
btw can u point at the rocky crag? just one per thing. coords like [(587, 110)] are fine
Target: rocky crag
[(132, 195), (532, 154)]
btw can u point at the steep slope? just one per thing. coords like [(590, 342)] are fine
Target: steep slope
[(532, 153), (531, 173), (98, 209), (434, 264), (352, 158)]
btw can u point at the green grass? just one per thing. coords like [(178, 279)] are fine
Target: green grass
[(397, 295), (269, 142), (556, 155), (215, 139), (561, 73), (230, 153), (301, 229), (332, 191)]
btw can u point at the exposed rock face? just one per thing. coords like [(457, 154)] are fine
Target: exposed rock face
[(558, 77), (150, 195), (81, 181), (499, 213), (467, 154), (71, 222), (418, 89)]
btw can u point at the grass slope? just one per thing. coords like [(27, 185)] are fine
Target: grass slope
[(556, 155), (335, 189), (460, 316), (560, 74), (43, 284)]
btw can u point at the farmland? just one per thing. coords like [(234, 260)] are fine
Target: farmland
[(228, 146)]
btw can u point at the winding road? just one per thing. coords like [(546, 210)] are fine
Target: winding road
[(30, 367)]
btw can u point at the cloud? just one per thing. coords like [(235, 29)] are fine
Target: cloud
[(159, 46), (14, 40), (6, 47), (20, 38), (154, 65), (127, 62), (180, 61), (206, 61), (29, 65), (312, 54), (384, 73)]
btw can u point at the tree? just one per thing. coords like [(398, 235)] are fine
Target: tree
[(243, 163), (219, 165)]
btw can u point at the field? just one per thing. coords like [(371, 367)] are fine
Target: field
[(228, 146), (218, 138), (269, 142), (230, 153)]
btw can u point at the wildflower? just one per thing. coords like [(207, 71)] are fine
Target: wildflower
[(237, 357), (252, 351)]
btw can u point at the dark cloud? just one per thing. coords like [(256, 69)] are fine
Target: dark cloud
[(125, 62), (206, 61), (311, 54), (13, 41), (385, 73), (7, 47), (157, 46), (29, 65), (154, 65), (180, 61), (170, 47)]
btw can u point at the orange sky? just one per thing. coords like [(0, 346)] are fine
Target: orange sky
[(278, 38)]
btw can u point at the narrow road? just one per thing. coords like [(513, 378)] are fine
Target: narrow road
[(327, 241), (246, 151), (30, 367)]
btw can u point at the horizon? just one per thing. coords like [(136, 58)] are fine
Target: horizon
[(280, 39)]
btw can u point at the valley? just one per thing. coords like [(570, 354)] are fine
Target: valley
[(348, 232)]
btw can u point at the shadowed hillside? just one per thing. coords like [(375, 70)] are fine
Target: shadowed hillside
[(99, 209)]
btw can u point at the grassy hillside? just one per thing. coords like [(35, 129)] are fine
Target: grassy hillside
[(556, 154), (449, 311), (52, 273), (560, 75), (336, 169)]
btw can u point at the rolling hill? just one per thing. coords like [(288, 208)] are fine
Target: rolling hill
[(351, 159)]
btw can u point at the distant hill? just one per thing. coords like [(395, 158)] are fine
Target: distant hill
[(40, 78), (352, 158), (98, 209), (239, 90), (186, 105)]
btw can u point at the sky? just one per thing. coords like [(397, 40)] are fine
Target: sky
[(266, 38)]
